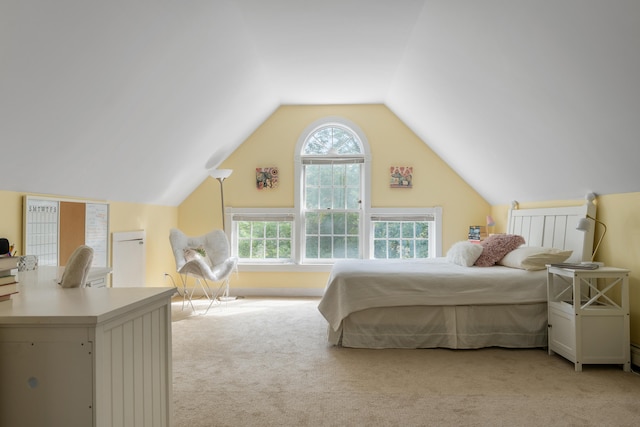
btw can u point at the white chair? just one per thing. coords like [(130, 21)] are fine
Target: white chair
[(77, 269), (205, 258)]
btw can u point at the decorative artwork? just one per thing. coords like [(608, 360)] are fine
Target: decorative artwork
[(266, 178), (401, 176)]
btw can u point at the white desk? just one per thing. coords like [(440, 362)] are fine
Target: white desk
[(85, 356), (47, 275)]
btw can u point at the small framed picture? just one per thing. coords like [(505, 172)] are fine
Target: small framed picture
[(266, 178), (401, 176)]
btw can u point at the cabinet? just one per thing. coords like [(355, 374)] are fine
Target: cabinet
[(589, 315), (85, 356)]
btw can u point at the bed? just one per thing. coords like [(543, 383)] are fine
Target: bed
[(440, 303)]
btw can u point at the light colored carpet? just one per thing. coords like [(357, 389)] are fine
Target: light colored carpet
[(265, 362)]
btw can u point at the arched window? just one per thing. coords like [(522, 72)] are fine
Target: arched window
[(332, 181)]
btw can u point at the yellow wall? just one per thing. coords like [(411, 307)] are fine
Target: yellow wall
[(391, 143), (156, 220)]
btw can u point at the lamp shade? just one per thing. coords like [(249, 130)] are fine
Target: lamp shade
[(490, 221), (220, 173), (583, 224)]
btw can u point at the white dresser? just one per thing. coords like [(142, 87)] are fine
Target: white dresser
[(85, 357)]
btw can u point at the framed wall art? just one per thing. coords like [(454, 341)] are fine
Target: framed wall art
[(266, 178), (401, 176)]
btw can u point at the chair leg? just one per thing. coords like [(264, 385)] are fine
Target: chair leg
[(185, 292), (214, 296)]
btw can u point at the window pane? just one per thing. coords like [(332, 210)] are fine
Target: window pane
[(285, 230), (312, 198), (379, 230), (326, 249), (407, 249), (312, 223), (244, 229), (271, 230), (326, 198), (312, 175), (394, 248), (394, 229), (353, 175), (312, 247), (244, 248), (339, 223), (339, 247), (339, 175), (422, 248), (353, 198), (353, 223), (338, 198), (285, 249), (380, 249), (271, 249), (258, 230), (422, 230), (326, 224), (257, 249), (326, 175), (353, 247), (407, 229)]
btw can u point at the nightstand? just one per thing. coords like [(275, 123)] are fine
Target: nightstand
[(589, 315)]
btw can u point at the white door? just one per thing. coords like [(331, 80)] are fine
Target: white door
[(129, 261)]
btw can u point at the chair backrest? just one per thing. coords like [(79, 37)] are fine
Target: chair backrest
[(77, 269), (215, 244)]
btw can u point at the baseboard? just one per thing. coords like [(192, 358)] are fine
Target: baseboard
[(277, 292), (271, 292), (635, 354)]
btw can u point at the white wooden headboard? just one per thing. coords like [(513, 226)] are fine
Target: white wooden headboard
[(555, 228)]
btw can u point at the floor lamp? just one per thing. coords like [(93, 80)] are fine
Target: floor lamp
[(221, 175)]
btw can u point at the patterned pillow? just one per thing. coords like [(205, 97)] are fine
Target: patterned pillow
[(496, 246)]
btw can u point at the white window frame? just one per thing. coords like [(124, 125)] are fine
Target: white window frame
[(365, 182), (408, 214)]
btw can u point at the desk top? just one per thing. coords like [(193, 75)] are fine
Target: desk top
[(41, 301)]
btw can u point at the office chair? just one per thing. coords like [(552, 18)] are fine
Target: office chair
[(77, 269)]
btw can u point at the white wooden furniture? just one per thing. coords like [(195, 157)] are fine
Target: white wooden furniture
[(589, 315), (85, 357)]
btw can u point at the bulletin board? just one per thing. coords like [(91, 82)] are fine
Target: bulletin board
[(53, 228)]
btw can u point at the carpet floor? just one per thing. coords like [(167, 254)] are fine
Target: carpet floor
[(266, 362)]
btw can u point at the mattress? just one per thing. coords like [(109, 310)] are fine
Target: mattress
[(356, 285)]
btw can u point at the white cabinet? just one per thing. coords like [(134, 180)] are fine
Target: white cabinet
[(86, 357), (589, 315)]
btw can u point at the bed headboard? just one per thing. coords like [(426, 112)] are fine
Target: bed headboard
[(555, 228)]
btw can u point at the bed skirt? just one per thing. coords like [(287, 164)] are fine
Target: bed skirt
[(455, 327)]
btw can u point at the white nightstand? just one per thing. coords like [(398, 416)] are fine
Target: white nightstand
[(589, 315)]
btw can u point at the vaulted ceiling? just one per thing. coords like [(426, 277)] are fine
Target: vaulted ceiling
[(133, 100)]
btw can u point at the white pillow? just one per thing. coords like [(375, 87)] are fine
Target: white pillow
[(464, 253), (533, 257)]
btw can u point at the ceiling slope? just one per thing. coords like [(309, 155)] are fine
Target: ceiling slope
[(125, 101), (527, 100), (132, 101)]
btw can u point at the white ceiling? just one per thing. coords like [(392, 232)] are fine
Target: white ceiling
[(132, 101)]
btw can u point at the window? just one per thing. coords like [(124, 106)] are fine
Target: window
[(264, 236), (332, 175), (403, 233)]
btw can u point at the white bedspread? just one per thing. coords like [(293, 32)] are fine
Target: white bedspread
[(356, 285)]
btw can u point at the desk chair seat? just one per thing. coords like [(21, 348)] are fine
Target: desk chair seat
[(205, 258)]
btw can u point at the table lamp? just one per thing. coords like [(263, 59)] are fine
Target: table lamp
[(585, 225)]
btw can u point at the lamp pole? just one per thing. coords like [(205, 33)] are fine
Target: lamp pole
[(221, 175)]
